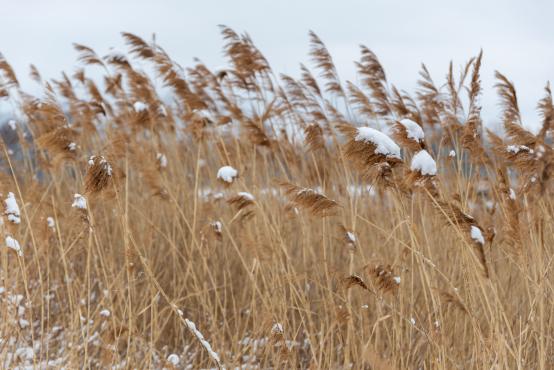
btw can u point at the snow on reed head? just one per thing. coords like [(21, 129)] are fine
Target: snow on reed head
[(79, 201), (277, 328), (512, 194), (162, 160), (13, 244), (424, 163), (99, 174), (173, 359), (409, 134), (371, 152), (12, 209), (241, 200), (347, 236), (227, 174), (477, 235), (217, 228), (413, 130), (102, 161), (246, 195), (383, 144), (140, 106), (384, 278)]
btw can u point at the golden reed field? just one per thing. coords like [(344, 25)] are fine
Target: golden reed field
[(158, 216)]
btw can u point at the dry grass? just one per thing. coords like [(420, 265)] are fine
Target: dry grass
[(326, 252)]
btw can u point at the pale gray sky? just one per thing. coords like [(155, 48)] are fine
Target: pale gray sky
[(517, 36)]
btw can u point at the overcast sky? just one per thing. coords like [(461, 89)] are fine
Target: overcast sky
[(517, 36)]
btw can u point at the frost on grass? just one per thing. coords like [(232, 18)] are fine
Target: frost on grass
[(477, 235), (12, 209), (79, 202), (13, 244), (227, 174), (413, 130), (383, 144), (204, 342), (424, 163)]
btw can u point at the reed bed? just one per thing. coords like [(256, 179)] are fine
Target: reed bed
[(168, 217)]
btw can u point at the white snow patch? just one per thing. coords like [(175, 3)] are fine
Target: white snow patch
[(424, 163), (103, 162), (12, 209), (140, 106), (25, 353), (246, 195), (277, 329), (107, 167), (173, 359), (350, 235), (162, 160), (477, 235), (79, 202), (518, 148), (13, 244), (512, 194), (383, 144), (227, 174), (413, 130), (218, 226)]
